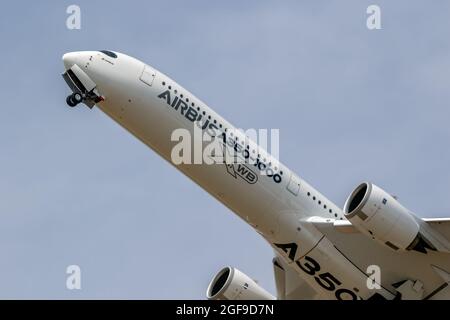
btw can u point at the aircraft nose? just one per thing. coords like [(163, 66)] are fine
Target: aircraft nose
[(70, 59)]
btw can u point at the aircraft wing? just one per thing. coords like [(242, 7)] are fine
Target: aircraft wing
[(364, 252), (289, 285), (441, 225)]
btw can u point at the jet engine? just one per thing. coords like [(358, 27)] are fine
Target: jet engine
[(377, 214), (232, 284)]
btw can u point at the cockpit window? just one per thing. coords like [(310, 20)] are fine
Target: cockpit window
[(109, 53)]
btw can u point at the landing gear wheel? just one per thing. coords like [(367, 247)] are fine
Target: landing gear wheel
[(74, 99), (77, 97), (70, 101)]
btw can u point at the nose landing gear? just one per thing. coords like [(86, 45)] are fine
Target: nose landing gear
[(74, 99)]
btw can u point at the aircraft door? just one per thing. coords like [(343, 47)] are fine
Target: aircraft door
[(148, 75), (294, 184)]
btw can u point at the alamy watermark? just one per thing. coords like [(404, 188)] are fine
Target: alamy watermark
[(374, 277), (73, 281), (213, 146), (373, 21), (73, 21)]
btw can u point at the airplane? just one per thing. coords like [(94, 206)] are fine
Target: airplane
[(373, 248)]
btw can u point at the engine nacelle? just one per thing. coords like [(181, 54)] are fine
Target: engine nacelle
[(232, 284), (379, 215)]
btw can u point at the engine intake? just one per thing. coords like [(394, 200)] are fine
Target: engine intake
[(376, 213), (232, 284)]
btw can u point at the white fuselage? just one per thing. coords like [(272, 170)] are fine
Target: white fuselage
[(279, 205)]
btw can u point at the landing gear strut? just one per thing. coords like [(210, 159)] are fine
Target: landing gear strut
[(74, 99)]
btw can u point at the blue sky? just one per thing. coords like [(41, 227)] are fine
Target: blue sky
[(75, 188)]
